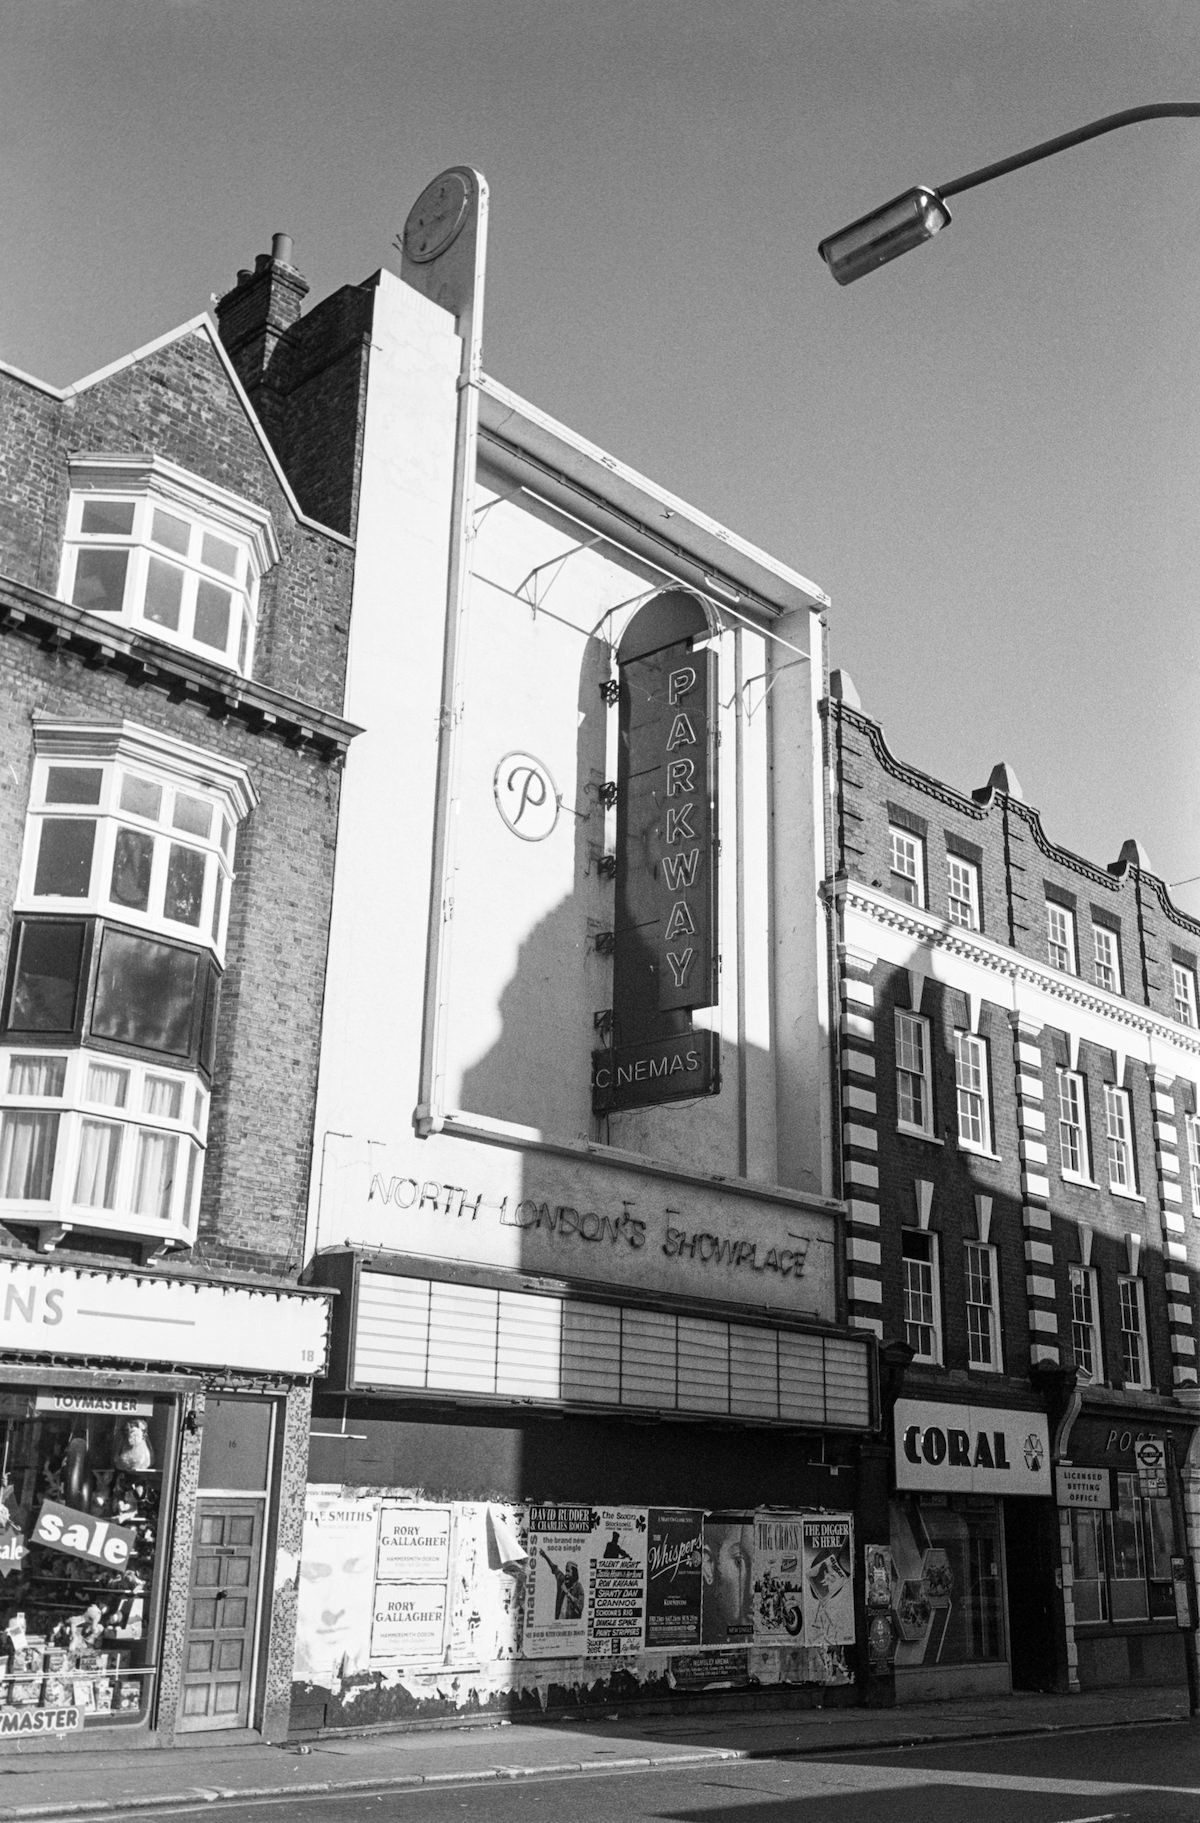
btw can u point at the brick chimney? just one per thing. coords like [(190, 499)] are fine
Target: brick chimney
[(254, 317)]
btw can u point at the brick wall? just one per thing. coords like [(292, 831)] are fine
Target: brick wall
[(178, 402), (1037, 1214)]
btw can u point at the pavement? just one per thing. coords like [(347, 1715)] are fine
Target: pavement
[(95, 1781)]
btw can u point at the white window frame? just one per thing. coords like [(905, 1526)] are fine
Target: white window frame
[(981, 1276), (906, 861), (1073, 1149), (1118, 1123), (922, 1294), (114, 1139), (1135, 1349), (962, 878), (150, 484), (1192, 1126), (971, 1086), (1060, 937), (1183, 990), (1085, 1323), (914, 1072), (1106, 952), (150, 1157), (184, 776)]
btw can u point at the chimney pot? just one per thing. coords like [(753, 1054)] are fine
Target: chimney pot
[(281, 248)]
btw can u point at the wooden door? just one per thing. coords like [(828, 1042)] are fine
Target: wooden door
[(222, 1614)]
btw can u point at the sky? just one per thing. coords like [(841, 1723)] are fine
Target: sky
[(987, 453)]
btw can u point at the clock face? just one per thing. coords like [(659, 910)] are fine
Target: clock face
[(436, 217)]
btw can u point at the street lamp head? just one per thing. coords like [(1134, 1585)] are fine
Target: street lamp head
[(884, 234)]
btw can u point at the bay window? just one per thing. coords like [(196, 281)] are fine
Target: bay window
[(109, 1002), (154, 548)]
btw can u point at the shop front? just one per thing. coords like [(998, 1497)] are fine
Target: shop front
[(152, 1430), (971, 1561), (1117, 1488), (534, 1492)]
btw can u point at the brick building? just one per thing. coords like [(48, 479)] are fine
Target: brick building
[(591, 1423), (1018, 1074), (173, 631)]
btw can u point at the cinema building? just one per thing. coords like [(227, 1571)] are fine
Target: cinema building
[(572, 1168)]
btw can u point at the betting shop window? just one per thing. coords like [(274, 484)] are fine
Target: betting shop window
[(82, 1543), (914, 1086), (948, 1604), (153, 548), (109, 1007), (1122, 1558)]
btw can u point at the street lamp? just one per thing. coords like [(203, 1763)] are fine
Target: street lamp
[(919, 214)]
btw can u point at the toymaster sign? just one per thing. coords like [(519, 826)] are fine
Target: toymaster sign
[(971, 1449)]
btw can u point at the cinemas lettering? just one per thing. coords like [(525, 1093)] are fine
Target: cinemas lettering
[(665, 926)]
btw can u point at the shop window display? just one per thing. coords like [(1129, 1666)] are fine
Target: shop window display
[(946, 1596), (81, 1491), (1122, 1558)]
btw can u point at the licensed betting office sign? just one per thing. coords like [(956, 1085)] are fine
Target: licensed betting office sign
[(665, 929)]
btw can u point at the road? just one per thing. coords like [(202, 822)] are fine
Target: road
[(1147, 1774)]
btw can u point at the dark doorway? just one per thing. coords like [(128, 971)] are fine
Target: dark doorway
[(1031, 1550)]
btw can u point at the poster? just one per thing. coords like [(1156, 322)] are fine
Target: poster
[(674, 1545), (778, 1579), (556, 1594), (727, 1580), (616, 1582), (414, 1544), (408, 1622), (336, 1588), (486, 1590), (828, 1580)]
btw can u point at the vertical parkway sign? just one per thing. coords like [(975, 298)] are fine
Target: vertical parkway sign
[(665, 934)]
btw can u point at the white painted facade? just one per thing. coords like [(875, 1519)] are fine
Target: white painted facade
[(457, 1049)]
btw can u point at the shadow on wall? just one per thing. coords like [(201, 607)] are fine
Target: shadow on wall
[(516, 1079)]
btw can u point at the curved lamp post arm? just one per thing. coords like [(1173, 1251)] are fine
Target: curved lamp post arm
[(920, 213)]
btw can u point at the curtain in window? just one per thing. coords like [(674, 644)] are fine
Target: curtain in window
[(96, 1172), (37, 1075), (162, 1097), (27, 1146), (154, 1175), (107, 1085)]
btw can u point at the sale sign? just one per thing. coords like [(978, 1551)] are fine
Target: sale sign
[(83, 1535)]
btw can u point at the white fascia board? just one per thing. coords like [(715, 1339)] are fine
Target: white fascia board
[(565, 469)]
